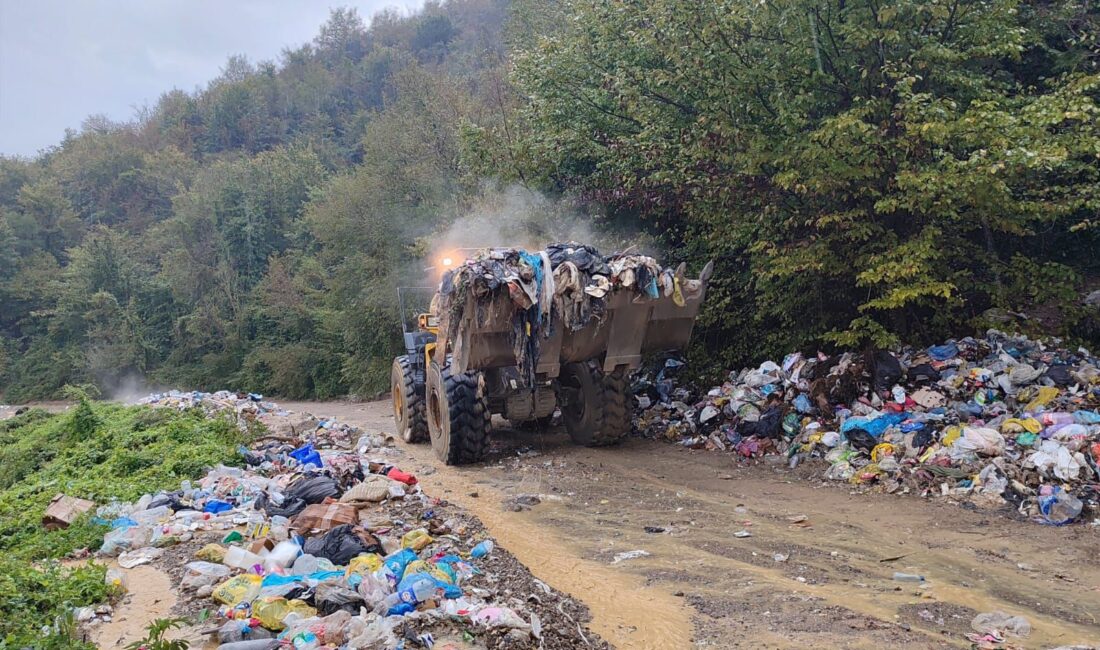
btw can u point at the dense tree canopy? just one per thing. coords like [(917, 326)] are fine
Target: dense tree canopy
[(864, 173)]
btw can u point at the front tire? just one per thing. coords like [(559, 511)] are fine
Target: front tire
[(408, 402), (458, 415)]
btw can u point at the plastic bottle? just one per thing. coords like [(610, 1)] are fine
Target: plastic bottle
[(241, 558), (482, 549), (306, 641), (907, 577)]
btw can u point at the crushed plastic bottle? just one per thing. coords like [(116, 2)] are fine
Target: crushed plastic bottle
[(907, 577)]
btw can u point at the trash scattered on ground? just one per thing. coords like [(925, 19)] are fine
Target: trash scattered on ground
[(320, 539), (994, 421), (995, 627), (629, 555)]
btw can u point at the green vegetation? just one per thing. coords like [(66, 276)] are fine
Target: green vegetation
[(863, 174), (98, 452)]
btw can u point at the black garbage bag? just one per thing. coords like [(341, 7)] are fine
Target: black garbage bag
[(861, 439), (342, 543), (770, 425), (923, 438), (332, 597), (1059, 374), (886, 370), (172, 500), (289, 509), (314, 489), (302, 593), (923, 374)]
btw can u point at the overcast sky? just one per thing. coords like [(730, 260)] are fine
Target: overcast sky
[(62, 60)]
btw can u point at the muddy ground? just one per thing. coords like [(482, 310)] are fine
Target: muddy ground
[(816, 571)]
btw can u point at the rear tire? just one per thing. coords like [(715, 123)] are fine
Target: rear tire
[(458, 415), (596, 412), (408, 402)]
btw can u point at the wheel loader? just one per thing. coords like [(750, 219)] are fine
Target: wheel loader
[(449, 384)]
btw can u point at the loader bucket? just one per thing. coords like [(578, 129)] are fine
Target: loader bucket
[(632, 326)]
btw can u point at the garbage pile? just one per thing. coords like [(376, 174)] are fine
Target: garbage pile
[(1001, 419), (316, 542), (570, 279)]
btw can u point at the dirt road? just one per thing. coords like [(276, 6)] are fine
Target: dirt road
[(816, 571)]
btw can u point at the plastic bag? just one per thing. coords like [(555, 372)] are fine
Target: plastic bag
[(332, 596), (1059, 508), (341, 544), (364, 564), (1052, 457), (242, 588), (200, 574), (396, 562), (1000, 624), (416, 539), (272, 611), (979, 440), (211, 553)]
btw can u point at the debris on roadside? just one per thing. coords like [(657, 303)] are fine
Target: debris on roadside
[(993, 421), (320, 539)]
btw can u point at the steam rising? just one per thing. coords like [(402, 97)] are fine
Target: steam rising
[(516, 217)]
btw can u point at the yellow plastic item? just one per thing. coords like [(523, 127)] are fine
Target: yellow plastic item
[(1046, 396), (1016, 425), (865, 474), (364, 564), (271, 611), (423, 566), (881, 450), (211, 553), (238, 589), (951, 434), (677, 293), (416, 539)]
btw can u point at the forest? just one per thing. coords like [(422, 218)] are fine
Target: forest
[(864, 174)]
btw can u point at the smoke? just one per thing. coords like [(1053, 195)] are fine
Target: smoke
[(128, 389), (517, 217)]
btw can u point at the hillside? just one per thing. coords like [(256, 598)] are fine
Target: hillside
[(863, 176)]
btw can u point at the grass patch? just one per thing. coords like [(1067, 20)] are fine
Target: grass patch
[(96, 451)]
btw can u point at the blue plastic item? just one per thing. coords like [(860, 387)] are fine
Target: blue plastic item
[(482, 549), (123, 522), (305, 455), (1086, 417), (214, 506), (396, 562), (875, 427), (943, 352), (802, 403)]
